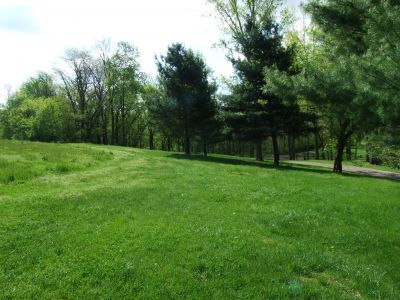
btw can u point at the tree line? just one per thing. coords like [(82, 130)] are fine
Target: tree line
[(321, 88)]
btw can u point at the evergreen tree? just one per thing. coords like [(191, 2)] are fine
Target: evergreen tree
[(368, 31), (256, 113), (188, 106), (330, 84), (255, 42)]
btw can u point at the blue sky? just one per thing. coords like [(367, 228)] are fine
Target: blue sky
[(35, 33)]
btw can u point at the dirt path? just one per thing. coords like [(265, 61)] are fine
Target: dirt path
[(352, 169)]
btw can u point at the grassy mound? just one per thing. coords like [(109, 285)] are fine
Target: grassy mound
[(85, 221)]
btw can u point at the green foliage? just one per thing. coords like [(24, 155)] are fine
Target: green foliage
[(254, 111), (330, 84), (48, 120), (156, 121), (41, 86), (383, 149), (149, 224), (368, 30), (379, 67), (54, 122), (342, 20), (255, 42), (124, 74), (124, 84), (2, 122), (349, 83), (380, 154), (235, 14), (189, 107), (343, 71)]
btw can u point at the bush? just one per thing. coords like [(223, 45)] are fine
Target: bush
[(391, 157), (46, 120), (54, 122), (380, 154)]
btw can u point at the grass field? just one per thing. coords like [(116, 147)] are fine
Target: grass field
[(90, 222)]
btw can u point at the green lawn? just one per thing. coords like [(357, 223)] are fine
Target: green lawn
[(90, 222)]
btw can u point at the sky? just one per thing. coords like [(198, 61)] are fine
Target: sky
[(34, 34)]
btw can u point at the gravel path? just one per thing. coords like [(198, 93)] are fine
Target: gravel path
[(352, 169)]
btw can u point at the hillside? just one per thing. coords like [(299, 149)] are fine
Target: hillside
[(85, 221)]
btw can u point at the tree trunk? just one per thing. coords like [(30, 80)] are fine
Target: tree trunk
[(337, 167), (259, 154), (83, 132), (205, 147), (112, 124), (187, 144), (291, 147), (123, 121), (316, 144), (88, 134), (117, 142), (341, 144), (82, 115), (169, 144), (355, 151), (105, 136), (104, 125), (151, 139), (275, 148), (348, 150), (163, 144)]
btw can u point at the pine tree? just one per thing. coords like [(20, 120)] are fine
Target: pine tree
[(189, 108), (253, 112)]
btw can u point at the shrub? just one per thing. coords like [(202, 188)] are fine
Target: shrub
[(379, 154)]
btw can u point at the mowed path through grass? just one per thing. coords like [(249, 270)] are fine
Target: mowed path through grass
[(90, 222)]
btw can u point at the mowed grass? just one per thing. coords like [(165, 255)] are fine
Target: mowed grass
[(129, 223)]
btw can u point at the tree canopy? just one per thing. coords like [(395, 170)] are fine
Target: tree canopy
[(321, 89)]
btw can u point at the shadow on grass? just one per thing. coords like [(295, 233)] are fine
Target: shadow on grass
[(269, 165)]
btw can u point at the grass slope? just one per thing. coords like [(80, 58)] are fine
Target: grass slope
[(89, 222)]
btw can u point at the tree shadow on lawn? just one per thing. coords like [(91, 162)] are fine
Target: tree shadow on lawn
[(269, 165)]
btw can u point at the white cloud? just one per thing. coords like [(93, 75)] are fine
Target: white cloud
[(150, 25), (18, 18)]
